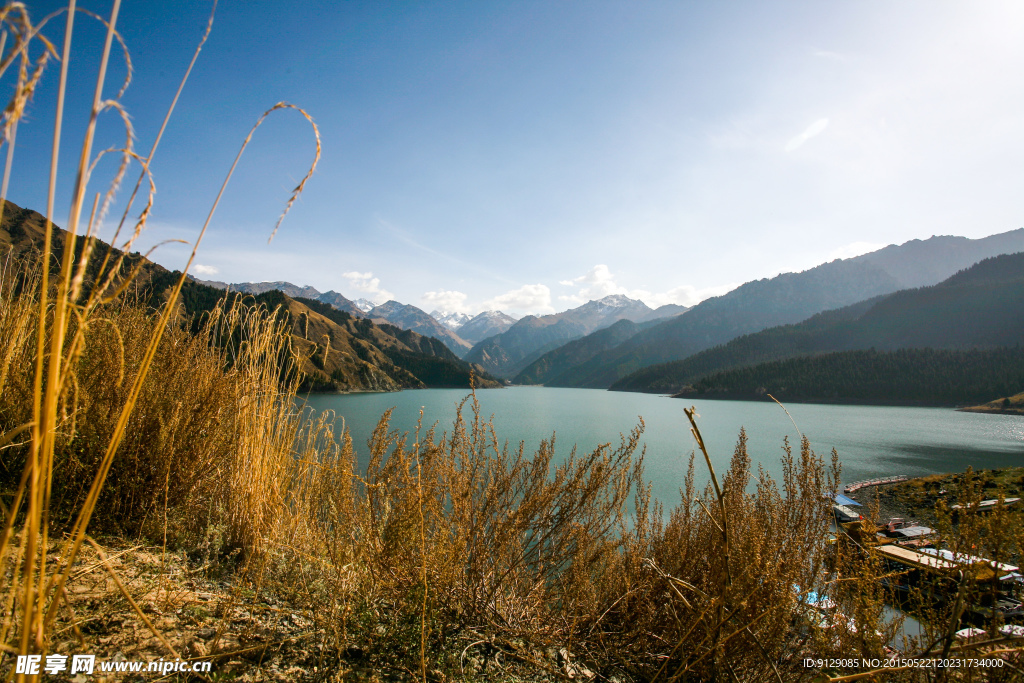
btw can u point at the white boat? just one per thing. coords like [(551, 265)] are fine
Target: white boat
[(971, 633), (1012, 630)]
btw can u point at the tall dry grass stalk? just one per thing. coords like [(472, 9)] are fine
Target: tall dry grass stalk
[(66, 325)]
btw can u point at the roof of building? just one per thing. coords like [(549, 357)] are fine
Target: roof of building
[(961, 557), (913, 532), (914, 558)]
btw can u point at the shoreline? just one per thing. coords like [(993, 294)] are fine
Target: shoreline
[(916, 498), (339, 392), (818, 401), (1019, 412)]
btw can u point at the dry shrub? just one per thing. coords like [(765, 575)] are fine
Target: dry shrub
[(199, 416), (449, 544), (449, 539)]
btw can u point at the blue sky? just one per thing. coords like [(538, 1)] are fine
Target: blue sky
[(529, 156)]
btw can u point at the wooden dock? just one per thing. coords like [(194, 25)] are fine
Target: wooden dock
[(857, 485)]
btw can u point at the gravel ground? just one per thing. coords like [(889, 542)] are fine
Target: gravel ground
[(195, 618)]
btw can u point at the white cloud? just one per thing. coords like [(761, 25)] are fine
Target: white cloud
[(530, 298), (599, 282), (369, 286), (200, 269), (446, 301), (812, 130), (854, 249)]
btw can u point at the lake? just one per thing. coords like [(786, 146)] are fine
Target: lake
[(871, 440)]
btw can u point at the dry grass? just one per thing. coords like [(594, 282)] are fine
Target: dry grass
[(66, 338)]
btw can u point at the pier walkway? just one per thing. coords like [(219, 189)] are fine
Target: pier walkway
[(857, 485)]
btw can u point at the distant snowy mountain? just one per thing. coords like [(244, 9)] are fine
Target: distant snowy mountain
[(409, 317), (484, 325), (453, 321), (364, 305), (507, 353)]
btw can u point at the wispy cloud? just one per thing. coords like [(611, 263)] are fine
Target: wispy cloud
[(204, 270), (813, 130), (368, 285), (597, 283), (446, 301), (528, 298), (438, 254), (688, 295)]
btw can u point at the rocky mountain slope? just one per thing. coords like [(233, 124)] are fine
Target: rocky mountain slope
[(333, 298), (347, 353), (408, 317), (662, 312), (549, 368), (484, 325), (402, 315)]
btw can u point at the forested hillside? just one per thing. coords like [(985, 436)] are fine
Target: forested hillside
[(907, 376), (547, 368)]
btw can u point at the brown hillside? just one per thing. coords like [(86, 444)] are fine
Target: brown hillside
[(335, 354), (1011, 405), (337, 351)]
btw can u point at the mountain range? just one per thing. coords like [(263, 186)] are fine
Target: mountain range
[(786, 299), (981, 307), (409, 317), (506, 354), (458, 331), (843, 305)]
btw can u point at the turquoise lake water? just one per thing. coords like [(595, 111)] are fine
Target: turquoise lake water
[(871, 440)]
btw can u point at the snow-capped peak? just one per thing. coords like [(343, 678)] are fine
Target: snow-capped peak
[(616, 300), (451, 320), (364, 305)]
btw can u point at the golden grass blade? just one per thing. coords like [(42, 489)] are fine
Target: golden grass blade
[(37, 452), (9, 436), (799, 433), (72, 547)]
